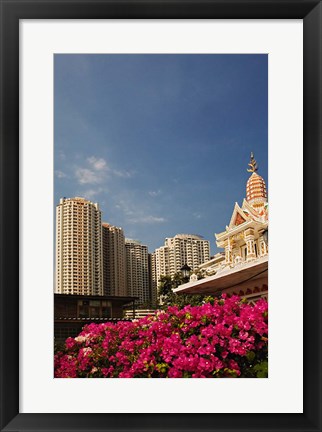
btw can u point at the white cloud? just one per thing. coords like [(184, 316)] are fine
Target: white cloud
[(60, 174), (97, 171), (98, 164), (135, 214), (90, 194), (87, 176), (125, 207), (147, 219), (154, 193), (125, 174)]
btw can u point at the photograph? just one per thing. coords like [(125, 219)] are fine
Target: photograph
[(160, 216), (141, 143)]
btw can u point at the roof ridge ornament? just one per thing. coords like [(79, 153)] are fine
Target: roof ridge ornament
[(252, 164)]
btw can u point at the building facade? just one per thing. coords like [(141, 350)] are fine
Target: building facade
[(137, 271), (152, 280), (179, 250), (78, 247), (114, 260), (72, 312), (244, 237)]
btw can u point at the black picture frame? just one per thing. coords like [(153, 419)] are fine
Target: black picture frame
[(14, 10)]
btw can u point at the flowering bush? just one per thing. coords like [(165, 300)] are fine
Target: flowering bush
[(224, 338)]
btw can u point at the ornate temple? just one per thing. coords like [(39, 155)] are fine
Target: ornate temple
[(243, 267)]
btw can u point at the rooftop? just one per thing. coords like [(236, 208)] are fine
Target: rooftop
[(227, 278)]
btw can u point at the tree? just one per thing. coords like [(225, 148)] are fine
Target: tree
[(165, 286), (168, 298)]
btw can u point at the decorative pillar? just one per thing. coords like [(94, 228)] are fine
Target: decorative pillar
[(250, 243), (263, 247), (228, 254)]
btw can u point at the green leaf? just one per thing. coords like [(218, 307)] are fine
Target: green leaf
[(261, 369), (250, 356)]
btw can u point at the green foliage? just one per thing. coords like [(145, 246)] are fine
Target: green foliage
[(255, 363), (162, 367), (250, 356), (168, 298), (261, 369)]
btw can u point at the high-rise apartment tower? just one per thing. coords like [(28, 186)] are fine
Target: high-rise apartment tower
[(137, 270), (152, 280), (78, 247), (114, 261), (179, 250)]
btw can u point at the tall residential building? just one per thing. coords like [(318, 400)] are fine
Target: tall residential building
[(114, 261), (78, 247), (179, 250), (137, 273), (152, 280)]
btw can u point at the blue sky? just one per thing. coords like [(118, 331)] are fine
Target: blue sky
[(161, 142)]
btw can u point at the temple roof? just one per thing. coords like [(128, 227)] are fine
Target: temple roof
[(226, 278), (256, 189), (256, 193)]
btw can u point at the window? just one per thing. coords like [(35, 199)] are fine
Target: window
[(94, 303), (94, 312), (106, 312), (245, 252), (83, 311)]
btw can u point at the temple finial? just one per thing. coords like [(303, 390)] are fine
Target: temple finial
[(252, 164)]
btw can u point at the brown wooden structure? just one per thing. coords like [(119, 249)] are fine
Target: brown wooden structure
[(72, 312)]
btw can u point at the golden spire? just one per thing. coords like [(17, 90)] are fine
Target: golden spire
[(252, 164)]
